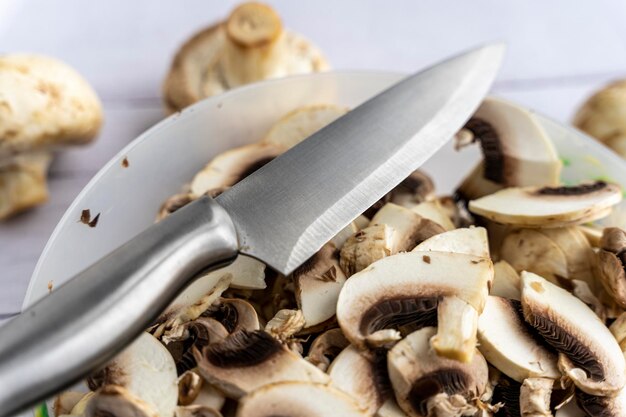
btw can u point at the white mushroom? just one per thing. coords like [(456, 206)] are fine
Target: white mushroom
[(433, 211), (548, 206), (365, 247), (23, 183), (611, 264), (193, 390), (197, 411), (285, 324), (470, 241), (318, 282), (245, 361), (143, 376), (506, 281), (426, 384), (326, 347), (249, 46), (299, 399), (613, 406), (404, 290), (588, 353)]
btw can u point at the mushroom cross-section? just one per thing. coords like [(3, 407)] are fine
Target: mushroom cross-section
[(425, 383), (611, 265), (588, 353), (326, 347), (404, 290), (470, 241), (548, 206)]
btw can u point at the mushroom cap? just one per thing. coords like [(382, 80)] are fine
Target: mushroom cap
[(511, 345), (46, 104), (23, 183), (318, 282), (602, 116), (548, 207), (588, 353), (417, 374), (405, 289), (361, 375), (326, 347), (298, 399), (301, 123), (230, 167), (618, 329), (246, 360), (145, 370), (253, 24), (517, 150), (506, 281), (470, 241), (116, 401), (407, 226)]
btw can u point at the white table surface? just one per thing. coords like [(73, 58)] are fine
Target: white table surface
[(559, 51)]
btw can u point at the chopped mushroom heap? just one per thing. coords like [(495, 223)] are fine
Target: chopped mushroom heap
[(415, 309), (250, 45)]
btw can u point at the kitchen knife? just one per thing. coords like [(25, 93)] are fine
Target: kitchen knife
[(281, 214)]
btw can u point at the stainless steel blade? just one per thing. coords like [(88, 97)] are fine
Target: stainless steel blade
[(288, 209)]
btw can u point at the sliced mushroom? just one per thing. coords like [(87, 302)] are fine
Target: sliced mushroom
[(618, 329), (249, 46), (326, 347), (81, 405), (548, 206), (194, 390), (301, 123), (318, 282), (612, 263), (470, 241), (506, 394), (66, 401), (404, 290), (506, 281), (602, 116), (407, 226), (285, 324), (230, 167), (511, 345), (425, 383), (594, 406), (535, 394), (197, 411), (235, 314), (592, 233), (390, 408), (413, 190), (246, 360), (516, 149), (23, 182), (298, 399), (365, 247), (475, 185), (143, 376), (363, 376), (588, 353), (433, 211)]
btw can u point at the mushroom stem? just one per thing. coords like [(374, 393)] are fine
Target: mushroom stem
[(456, 332), (534, 397)]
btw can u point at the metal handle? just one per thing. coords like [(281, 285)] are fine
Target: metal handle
[(84, 323)]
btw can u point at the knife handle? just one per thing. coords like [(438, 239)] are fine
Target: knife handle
[(87, 321)]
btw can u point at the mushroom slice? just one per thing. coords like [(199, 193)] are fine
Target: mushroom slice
[(612, 263), (511, 345), (326, 347), (595, 406), (433, 211), (413, 190), (285, 324), (506, 281), (197, 411), (66, 401), (548, 206), (230, 167), (588, 353), (344, 234), (235, 314), (404, 290), (301, 123), (81, 405), (475, 185), (302, 399), (146, 371), (365, 247), (406, 226), (116, 401), (618, 329), (425, 383), (471, 241), (390, 408), (194, 390), (247, 360), (534, 398), (361, 375), (318, 282), (23, 183), (593, 234), (516, 149)]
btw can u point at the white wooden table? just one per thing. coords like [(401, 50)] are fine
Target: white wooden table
[(558, 52)]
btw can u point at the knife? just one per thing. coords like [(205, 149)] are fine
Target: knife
[(282, 214)]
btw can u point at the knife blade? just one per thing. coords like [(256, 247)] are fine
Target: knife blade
[(281, 214), (304, 197)]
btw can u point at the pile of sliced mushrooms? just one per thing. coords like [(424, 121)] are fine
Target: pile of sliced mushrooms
[(503, 299)]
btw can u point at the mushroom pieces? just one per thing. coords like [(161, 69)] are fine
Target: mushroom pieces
[(298, 399), (247, 360), (404, 290), (301, 123), (363, 376), (611, 263), (588, 353), (251, 45), (65, 402), (235, 314), (192, 390), (548, 206), (534, 398), (516, 149), (512, 345), (143, 378), (594, 406), (506, 281), (326, 347), (426, 384), (318, 282), (230, 167), (285, 324), (470, 241)]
